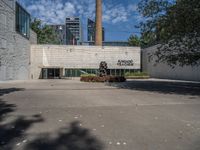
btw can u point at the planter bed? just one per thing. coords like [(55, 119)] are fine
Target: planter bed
[(102, 79), (138, 77)]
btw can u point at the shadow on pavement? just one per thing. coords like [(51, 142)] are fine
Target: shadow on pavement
[(165, 87), (10, 90), (12, 131), (197, 144), (5, 109), (72, 138)]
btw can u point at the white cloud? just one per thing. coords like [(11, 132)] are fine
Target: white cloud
[(133, 7), (116, 14), (55, 11), (52, 12)]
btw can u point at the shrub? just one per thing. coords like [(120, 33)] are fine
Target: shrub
[(88, 75), (102, 79), (137, 74)]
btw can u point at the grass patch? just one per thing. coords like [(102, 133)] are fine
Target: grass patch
[(137, 75)]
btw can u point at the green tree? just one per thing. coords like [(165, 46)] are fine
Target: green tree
[(134, 40), (174, 25), (45, 33)]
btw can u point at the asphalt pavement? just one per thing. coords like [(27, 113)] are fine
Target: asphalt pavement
[(72, 115)]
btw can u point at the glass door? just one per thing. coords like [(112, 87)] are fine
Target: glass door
[(50, 73)]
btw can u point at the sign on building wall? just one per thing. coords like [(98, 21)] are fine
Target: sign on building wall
[(125, 63)]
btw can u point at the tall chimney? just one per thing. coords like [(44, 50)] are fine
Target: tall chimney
[(98, 31)]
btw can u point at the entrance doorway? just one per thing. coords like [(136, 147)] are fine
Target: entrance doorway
[(50, 73)]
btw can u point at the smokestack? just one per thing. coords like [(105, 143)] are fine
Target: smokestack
[(98, 31)]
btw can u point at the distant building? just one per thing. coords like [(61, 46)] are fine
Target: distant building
[(70, 38), (91, 31), (64, 35), (109, 43), (74, 26), (60, 31)]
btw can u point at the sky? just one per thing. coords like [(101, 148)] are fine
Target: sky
[(119, 16)]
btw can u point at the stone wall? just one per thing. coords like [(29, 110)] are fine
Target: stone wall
[(14, 49), (88, 57), (161, 70)]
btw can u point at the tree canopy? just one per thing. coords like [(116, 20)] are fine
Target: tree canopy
[(45, 34), (134, 40), (175, 26)]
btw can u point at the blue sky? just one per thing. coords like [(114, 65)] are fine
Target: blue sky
[(119, 16)]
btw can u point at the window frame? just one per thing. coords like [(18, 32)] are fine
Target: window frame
[(22, 21)]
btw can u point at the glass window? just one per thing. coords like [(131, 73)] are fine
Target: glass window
[(22, 21), (117, 72), (127, 71), (73, 73), (67, 72), (93, 71), (132, 71), (122, 72), (84, 71), (78, 72), (113, 72)]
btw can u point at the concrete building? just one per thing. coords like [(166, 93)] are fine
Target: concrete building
[(53, 61), (91, 29), (60, 31), (64, 35), (15, 40), (74, 26), (164, 71), (22, 59)]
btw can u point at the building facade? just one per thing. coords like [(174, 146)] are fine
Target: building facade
[(53, 61), (74, 26), (164, 71), (15, 40), (22, 59), (91, 31), (64, 35)]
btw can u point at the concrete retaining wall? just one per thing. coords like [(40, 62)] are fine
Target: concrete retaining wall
[(164, 71), (89, 57)]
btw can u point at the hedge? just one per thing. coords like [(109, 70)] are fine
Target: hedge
[(138, 74), (102, 79)]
